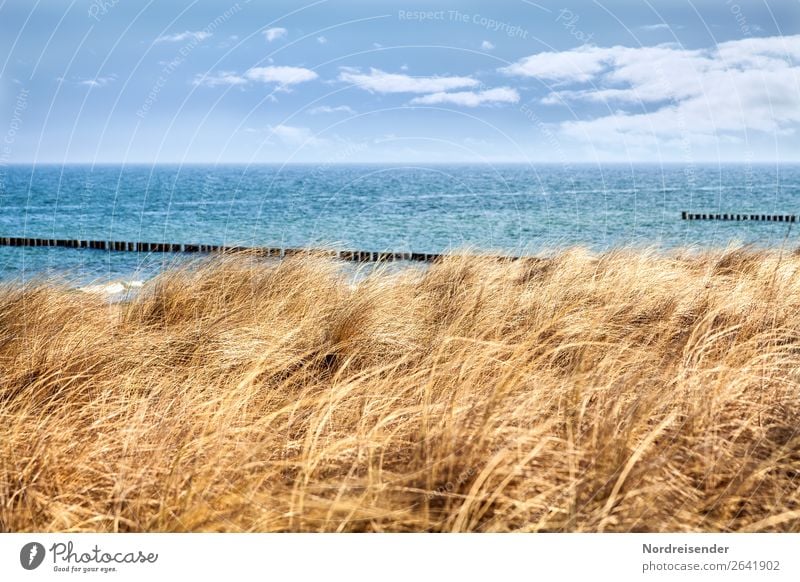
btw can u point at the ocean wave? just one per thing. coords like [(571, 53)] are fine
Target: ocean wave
[(112, 288)]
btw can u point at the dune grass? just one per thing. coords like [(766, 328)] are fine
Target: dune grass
[(626, 391)]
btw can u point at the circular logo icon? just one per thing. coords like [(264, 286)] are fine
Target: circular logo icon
[(31, 555)]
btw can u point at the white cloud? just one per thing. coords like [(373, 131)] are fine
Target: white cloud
[(219, 78), (329, 109), (228, 42), (666, 92), (296, 136), (98, 81), (322, 40), (487, 46), (283, 76), (470, 98), (273, 34), (659, 26), (199, 35), (378, 81), (580, 64)]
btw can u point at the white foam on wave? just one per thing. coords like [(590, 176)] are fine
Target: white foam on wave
[(113, 288)]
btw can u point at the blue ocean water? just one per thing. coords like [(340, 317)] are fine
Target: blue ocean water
[(516, 209)]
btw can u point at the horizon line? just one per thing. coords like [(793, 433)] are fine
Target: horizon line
[(325, 163)]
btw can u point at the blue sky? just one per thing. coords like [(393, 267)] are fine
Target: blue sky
[(350, 81)]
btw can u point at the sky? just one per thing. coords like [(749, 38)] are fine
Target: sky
[(358, 81)]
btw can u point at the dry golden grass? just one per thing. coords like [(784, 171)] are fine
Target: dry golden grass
[(628, 391)]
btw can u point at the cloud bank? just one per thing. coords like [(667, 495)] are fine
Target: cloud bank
[(666, 91)]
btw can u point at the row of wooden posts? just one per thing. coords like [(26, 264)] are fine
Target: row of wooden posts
[(756, 217), (158, 247), (280, 252)]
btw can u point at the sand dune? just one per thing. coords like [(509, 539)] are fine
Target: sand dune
[(628, 391)]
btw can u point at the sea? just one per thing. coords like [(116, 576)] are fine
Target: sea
[(509, 209)]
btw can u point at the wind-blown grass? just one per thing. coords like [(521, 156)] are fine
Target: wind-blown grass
[(628, 391)]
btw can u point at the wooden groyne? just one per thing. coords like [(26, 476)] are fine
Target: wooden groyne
[(739, 217), (161, 247)]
